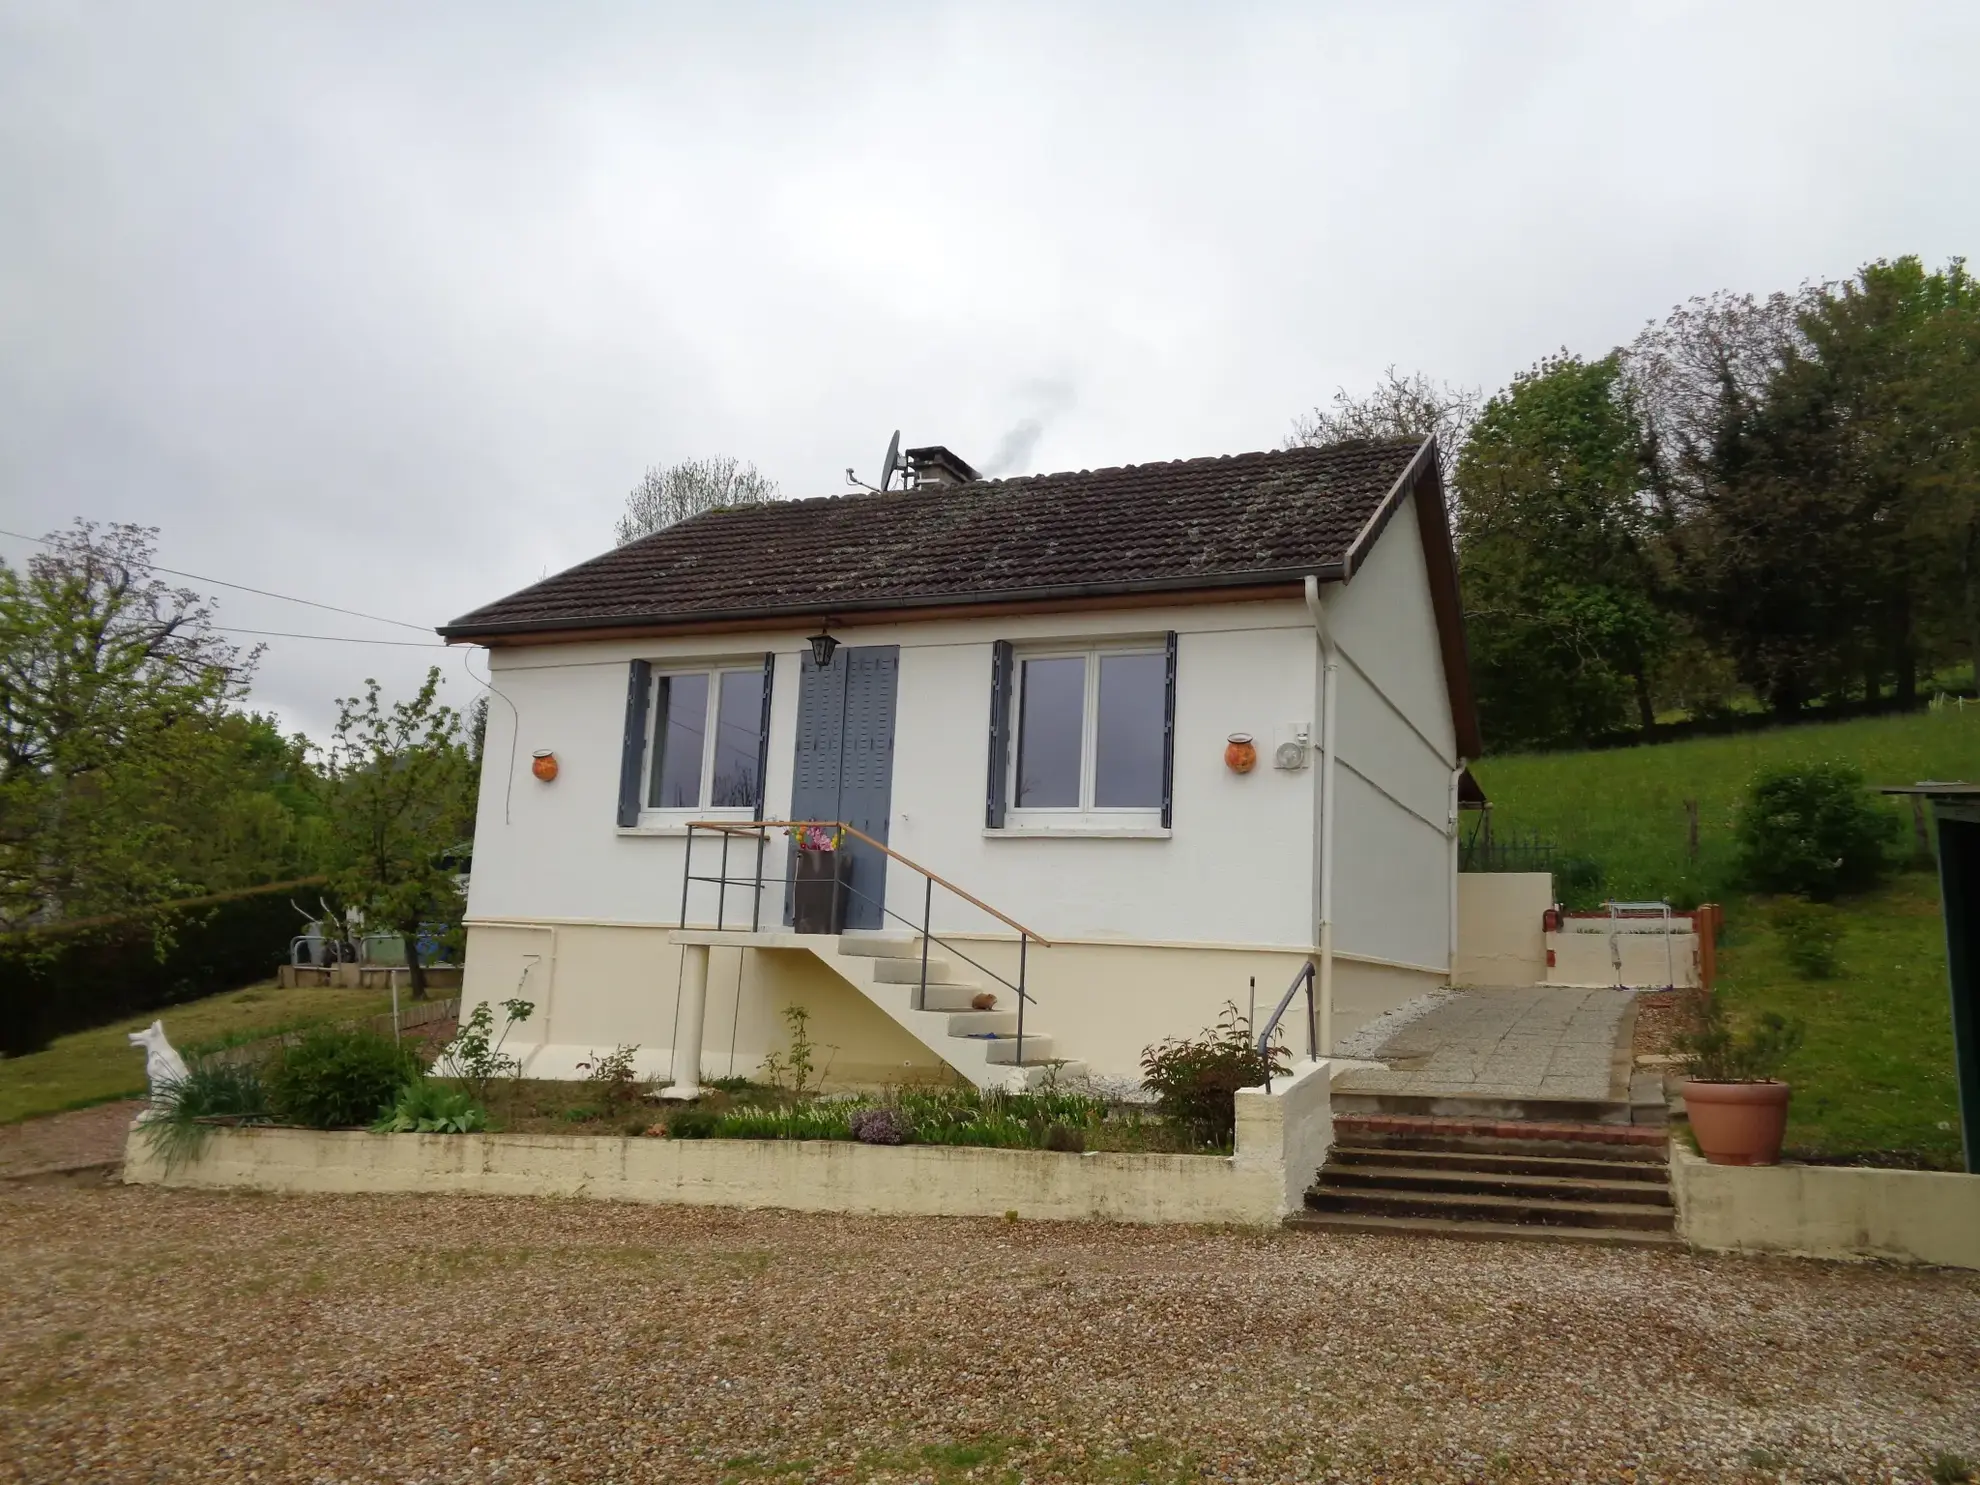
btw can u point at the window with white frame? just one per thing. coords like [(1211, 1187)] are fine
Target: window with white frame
[(1089, 731), (704, 748)]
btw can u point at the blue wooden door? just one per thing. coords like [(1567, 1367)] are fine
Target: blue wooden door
[(844, 768)]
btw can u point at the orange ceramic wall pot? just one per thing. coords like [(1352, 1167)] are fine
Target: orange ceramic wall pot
[(1239, 754), (544, 765)]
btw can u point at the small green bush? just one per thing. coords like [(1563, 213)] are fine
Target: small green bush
[(695, 1124), (338, 1078), (1810, 933), (1578, 883), (1195, 1080), (177, 1125), (1715, 1052), (1813, 831), (427, 1107)]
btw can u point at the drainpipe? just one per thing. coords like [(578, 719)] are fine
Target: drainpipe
[(1451, 952), (1324, 903)]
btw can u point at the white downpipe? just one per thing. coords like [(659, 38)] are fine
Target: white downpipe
[(1451, 953), (1324, 905)]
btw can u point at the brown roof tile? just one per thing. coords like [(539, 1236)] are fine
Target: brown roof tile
[(1190, 524)]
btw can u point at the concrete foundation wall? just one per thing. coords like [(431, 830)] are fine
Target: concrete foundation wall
[(1822, 1211), (1587, 959), (1500, 939), (1282, 1139)]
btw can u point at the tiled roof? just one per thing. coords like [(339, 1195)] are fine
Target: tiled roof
[(1193, 523)]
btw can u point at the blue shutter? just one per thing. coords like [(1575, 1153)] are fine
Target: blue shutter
[(1001, 670), (763, 734), (632, 752), (1169, 735)]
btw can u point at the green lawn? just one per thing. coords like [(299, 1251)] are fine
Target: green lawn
[(1875, 1073), (96, 1066)]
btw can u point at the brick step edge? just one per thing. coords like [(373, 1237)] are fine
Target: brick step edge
[(1475, 1232), (1509, 1129)]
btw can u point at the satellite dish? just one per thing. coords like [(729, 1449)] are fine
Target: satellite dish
[(893, 460)]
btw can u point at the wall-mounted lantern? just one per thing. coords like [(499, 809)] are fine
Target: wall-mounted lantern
[(544, 764), (822, 646)]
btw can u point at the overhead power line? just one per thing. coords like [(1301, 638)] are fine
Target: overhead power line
[(259, 592), (342, 639)]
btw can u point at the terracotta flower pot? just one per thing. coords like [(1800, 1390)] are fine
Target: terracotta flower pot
[(1239, 753), (1738, 1123), (544, 765)]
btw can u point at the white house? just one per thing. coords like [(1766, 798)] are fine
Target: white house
[(1031, 688)]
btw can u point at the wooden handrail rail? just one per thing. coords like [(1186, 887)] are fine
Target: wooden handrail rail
[(745, 826)]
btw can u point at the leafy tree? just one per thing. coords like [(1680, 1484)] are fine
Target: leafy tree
[(666, 497), (400, 788), (1399, 407), (120, 757), (1556, 547)]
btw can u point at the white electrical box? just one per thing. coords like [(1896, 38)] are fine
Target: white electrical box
[(1294, 745)]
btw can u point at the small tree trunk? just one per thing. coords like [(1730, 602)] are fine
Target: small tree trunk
[(1646, 709), (416, 971)]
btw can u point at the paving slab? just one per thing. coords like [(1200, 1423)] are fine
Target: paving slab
[(1542, 1040)]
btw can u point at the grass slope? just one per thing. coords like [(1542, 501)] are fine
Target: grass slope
[(1875, 1073), (98, 1065)]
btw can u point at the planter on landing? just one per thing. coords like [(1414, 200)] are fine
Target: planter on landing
[(1738, 1123), (818, 891)]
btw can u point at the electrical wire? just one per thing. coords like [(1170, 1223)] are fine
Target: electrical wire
[(341, 639), (243, 588), (515, 729)]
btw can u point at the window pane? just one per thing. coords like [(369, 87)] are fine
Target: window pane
[(1052, 705), (738, 729), (680, 722), (1133, 696)]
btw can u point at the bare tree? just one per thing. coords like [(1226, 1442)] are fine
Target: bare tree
[(666, 497), (1399, 407)]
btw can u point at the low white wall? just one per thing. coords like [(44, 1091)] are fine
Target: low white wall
[(1828, 1211), (1587, 959), (1282, 1139), (1500, 939)]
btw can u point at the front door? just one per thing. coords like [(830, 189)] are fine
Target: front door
[(845, 762)]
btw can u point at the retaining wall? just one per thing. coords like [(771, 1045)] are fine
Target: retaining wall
[(1282, 1140), (1828, 1211)]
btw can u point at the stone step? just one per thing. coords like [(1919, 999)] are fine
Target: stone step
[(1033, 1076), (1407, 1180), (1488, 1159), (899, 971), (956, 997), (1467, 1231), (1504, 1136), (1478, 1207), (1507, 1108)]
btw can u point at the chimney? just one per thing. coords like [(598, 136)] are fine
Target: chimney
[(935, 465)]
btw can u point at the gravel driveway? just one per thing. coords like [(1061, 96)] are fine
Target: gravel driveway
[(173, 1335)]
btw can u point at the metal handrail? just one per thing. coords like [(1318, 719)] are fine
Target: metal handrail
[(1304, 977), (761, 828)]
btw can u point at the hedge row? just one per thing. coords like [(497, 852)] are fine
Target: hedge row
[(74, 976)]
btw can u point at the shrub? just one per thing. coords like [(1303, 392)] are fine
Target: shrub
[(614, 1075), (337, 1078), (1813, 831), (878, 1127), (693, 1124), (1578, 883), (1810, 935), (475, 1056), (426, 1107), (1195, 1081), (1714, 1052), (176, 1125)]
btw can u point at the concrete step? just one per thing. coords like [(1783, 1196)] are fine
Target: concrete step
[(1510, 1108), (958, 997), (1459, 1206), (869, 944), (1407, 1180), (900, 971), (1466, 1231), (1034, 1077), (1003, 1052), (981, 1023), (1488, 1159)]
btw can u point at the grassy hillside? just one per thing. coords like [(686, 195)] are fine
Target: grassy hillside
[(1625, 807), (1875, 1073)]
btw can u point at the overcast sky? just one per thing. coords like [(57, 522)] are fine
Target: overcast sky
[(388, 305)]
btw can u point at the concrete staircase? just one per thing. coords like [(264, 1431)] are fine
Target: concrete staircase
[(886, 968), (1485, 1177)]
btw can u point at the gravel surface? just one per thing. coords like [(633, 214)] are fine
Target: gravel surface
[(61, 1141), (173, 1335)]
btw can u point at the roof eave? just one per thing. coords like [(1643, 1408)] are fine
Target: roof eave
[(1328, 572)]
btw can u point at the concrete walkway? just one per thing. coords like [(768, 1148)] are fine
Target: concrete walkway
[(1543, 1042)]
